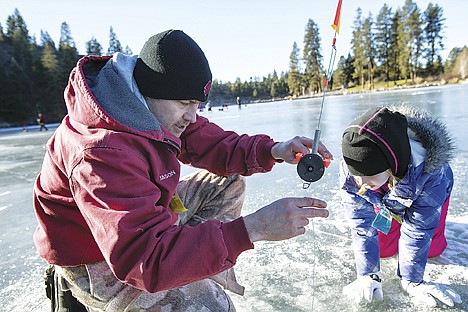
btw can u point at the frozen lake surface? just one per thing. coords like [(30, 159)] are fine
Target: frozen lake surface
[(306, 273)]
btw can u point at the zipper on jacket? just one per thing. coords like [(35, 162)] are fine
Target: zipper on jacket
[(172, 144)]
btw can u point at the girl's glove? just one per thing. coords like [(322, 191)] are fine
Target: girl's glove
[(423, 293), (365, 287)]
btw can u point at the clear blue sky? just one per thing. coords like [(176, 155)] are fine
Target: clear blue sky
[(241, 38)]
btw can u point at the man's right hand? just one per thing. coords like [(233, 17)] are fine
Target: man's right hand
[(284, 218)]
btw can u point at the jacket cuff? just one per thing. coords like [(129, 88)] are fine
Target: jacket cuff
[(265, 159), (236, 238)]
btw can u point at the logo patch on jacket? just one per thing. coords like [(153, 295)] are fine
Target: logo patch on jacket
[(166, 175)]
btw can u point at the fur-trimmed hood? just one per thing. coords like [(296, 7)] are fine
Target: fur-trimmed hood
[(431, 133)]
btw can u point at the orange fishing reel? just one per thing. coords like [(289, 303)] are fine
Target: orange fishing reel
[(311, 167)]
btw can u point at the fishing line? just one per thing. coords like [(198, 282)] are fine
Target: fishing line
[(314, 250), (311, 167)]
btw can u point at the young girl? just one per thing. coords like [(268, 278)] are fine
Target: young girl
[(396, 183)]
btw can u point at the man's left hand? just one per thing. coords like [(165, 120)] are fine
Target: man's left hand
[(287, 150)]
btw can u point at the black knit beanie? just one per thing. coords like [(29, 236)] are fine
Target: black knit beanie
[(376, 141), (171, 66)]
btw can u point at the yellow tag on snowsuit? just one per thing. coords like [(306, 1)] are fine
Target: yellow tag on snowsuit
[(397, 218), (176, 204)]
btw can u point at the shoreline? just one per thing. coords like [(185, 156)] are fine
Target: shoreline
[(30, 128), (438, 84)]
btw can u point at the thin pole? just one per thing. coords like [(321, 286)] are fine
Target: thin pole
[(325, 86)]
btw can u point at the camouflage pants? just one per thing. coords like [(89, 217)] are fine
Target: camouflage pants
[(206, 196)]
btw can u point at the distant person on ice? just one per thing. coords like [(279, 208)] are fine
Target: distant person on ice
[(41, 122), (123, 231), (396, 184)]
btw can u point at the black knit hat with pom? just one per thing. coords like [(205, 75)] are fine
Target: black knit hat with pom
[(171, 66), (377, 141)]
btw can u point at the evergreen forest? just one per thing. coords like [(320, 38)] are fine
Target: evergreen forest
[(397, 47)]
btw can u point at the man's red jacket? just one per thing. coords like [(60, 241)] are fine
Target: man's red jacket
[(109, 174)]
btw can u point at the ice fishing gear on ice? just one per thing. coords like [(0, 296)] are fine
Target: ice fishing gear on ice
[(311, 167)]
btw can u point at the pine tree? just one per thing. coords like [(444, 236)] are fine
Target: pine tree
[(339, 75), (412, 27), (394, 57), (66, 39), (93, 47), (369, 48), (18, 70), (452, 57), (294, 76), (127, 50), (283, 84), (2, 35), (403, 47), (349, 69), (274, 85), (357, 47), (49, 60), (51, 100), (313, 72), (17, 107), (114, 43), (434, 25), (6, 103), (67, 49), (236, 87), (68, 56), (18, 34), (46, 39), (383, 39)]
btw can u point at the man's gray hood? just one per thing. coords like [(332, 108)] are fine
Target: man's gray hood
[(117, 93)]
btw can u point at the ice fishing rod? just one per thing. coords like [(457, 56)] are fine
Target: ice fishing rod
[(311, 167)]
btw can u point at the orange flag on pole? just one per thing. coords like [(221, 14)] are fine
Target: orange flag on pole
[(336, 22)]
